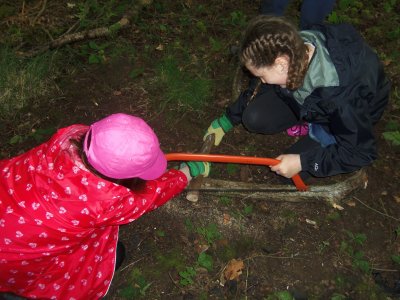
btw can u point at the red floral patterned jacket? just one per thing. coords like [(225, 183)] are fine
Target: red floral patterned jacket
[(59, 222)]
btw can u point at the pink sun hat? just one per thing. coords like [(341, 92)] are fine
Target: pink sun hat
[(123, 146)]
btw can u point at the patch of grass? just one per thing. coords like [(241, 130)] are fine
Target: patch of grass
[(232, 169), (22, 81), (333, 216), (170, 260), (183, 90), (392, 128), (289, 216), (225, 200), (227, 252), (237, 18), (95, 13), (39, 135), (137, 287)]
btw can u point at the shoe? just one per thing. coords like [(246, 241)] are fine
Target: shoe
[(120, 255), (298, 130)]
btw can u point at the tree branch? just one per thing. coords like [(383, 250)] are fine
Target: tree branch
[(91, 33)]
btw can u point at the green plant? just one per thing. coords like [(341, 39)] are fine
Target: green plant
[(392, 131), (225, 200), (392, 136), (94, 52), (201, 26), (210, 233), (389, 5), (136, 73), (358, 238), (238, 18), (280, 295), (333, 216), (187, 276), (205, 260), (189, 225), (216, 45), (357, 256), (160, 233), (397, 231), (323, 246), (248, 209), (337, 296), (95, 13), (396, 259)]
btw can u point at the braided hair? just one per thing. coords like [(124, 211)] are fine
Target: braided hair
[(267, 38)]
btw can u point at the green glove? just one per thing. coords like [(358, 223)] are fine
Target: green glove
[(219, 127), (197, 168)]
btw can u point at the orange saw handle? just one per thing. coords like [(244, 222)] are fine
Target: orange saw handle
[(221, 158)]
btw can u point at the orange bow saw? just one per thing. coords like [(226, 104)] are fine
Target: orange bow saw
[(220, 158)]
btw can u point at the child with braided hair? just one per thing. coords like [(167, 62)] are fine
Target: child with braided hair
[(326, 81)]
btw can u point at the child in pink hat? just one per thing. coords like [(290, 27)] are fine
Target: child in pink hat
[(62, 203)]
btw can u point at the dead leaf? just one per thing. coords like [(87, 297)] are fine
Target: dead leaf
[(117, 93), (160, 47), (227, 219), (397, 198), (337, 206), (311, 222), (200, 246), (233, 269), (351, 203), (387, 62)]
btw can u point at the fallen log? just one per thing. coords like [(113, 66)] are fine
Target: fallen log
[(330, 193)]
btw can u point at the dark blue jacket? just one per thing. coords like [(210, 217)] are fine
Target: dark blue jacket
[(345, 91)]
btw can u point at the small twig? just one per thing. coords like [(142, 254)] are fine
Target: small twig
[(132, 263), (377, 211), (272, 256), (71, 28), (173, 281), (48, 34), (385, 270), (40, 12), (247, 277), (248, 196)]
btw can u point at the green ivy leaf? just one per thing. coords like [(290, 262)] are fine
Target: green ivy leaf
[(392, 136), (396, 259), (205, 261)]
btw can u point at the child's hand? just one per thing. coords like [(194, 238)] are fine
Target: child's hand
[(218, 127), (289, 166), (197, 168)]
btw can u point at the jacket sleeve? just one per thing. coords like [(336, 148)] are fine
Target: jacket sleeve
[(131, 205), (355, 145)]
